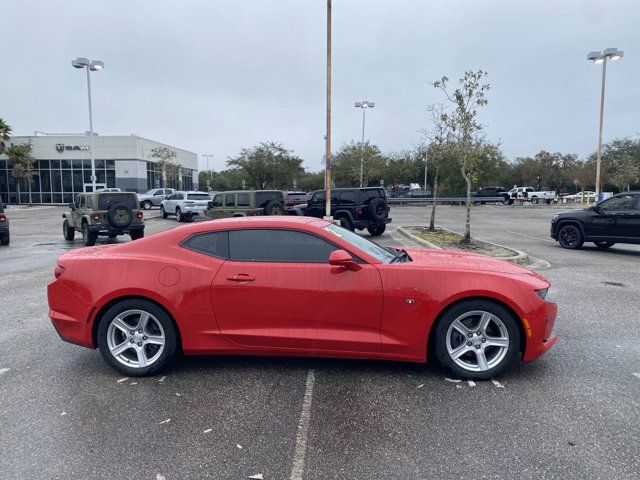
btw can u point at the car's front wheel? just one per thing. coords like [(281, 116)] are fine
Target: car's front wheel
[(604, 244), (179, 216), (88, 237), (570, 237), (477, 339), (162, 212), (136, 337), (147, 204), (68, 232)]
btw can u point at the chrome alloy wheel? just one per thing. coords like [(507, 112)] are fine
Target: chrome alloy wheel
[(136, 338), (477, 341)]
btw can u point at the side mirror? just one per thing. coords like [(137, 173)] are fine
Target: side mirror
[(340, 258), (72, 205)]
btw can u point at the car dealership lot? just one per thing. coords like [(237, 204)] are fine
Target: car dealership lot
[(571, 414)]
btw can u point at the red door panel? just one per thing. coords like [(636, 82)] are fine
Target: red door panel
[(310, 306)]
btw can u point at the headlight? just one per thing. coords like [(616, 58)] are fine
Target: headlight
[(542, 293), (555, 217)]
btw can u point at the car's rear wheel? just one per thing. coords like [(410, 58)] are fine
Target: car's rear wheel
[(162, 212), (570, 237), (604, 244), (179, 216), (377, 229), (136, 234), (68, 232), (274, 207), (5, 239), (147, 204), (88, 237), (136, 337), (477, 339)]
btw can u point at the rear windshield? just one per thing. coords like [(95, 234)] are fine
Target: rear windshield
[(368, 195), (264, 197), (198, 196), (105, 200)]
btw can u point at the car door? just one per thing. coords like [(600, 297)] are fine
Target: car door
[(277, 290), (76, 213), (625, 210), (217, 211), (316, 205), (608, 219)]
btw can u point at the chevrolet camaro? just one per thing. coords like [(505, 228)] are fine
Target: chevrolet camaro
[(297, 286)]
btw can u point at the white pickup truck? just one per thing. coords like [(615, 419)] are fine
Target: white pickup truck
[(529, 194)]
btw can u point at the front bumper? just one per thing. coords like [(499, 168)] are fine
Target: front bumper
[(539, 333)]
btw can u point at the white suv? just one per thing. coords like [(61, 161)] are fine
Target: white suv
[(184, 205)]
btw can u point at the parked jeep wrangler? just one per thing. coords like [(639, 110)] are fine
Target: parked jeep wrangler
[(355, 208), (103, 213), (4, 226), (246, 203)]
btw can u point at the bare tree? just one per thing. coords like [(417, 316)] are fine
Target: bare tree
[(165, 160), (466, 130)]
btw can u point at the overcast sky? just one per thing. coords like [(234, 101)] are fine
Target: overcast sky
[(214, 76)]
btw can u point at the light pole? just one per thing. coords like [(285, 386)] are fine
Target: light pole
[(93, 66), (327, 137), (208, 156), (612, 54), (363, 105)]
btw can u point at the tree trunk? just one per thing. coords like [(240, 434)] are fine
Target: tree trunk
[(432, 221), (466, 238), (29, 184), (17, 191)]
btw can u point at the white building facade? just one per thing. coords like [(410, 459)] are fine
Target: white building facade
[(63, 166)]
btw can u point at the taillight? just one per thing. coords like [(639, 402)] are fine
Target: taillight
[(3, 218), (59, 270), (139, 214), (96, 217), (359, 211)]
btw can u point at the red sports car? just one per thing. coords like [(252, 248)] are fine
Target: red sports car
[(297, 286)]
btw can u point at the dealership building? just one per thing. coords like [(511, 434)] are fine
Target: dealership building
[(63, 166)]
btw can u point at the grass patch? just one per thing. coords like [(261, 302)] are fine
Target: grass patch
[(452, 241)]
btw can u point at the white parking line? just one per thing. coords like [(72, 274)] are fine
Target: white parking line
[(531, 236), (297, 468), (636, 374), (4, 370), (497, 383), (471, 383)]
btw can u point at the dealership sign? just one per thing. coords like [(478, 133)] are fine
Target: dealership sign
[(61, 147)]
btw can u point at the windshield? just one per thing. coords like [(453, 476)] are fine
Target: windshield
[(361, 243), (198, 196)]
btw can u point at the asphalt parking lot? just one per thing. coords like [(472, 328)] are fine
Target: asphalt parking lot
[(64, 414)]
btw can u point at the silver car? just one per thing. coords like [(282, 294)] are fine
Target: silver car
[(185, 205), (153, 197)]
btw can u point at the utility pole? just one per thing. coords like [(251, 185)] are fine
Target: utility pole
[(327, 144)]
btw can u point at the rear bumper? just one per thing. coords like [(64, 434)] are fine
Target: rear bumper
[(109, 229), (4, 229), (539, 331), (359, 224), (69, 315)]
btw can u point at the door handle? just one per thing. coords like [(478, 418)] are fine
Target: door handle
[(241, 277)]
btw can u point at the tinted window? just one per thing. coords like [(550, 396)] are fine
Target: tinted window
[(367, 195), (217, 200), (230, 200), (263, 197), (243, 199), (361, 243), (215, 244), (278, 246), (198, 196), (317, 197), (105, 200), (347, 198), (616, 204)]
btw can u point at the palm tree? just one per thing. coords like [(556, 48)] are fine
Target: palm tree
[(22, 161), (5, 133)]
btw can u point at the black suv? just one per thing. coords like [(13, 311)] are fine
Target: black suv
[(354, 207), (614, 220), (490, 192)]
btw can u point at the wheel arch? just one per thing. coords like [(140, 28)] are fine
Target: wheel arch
[(344, 213), (431, 338), (571, 221), (97, 318)]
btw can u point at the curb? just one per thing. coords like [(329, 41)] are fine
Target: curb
[(519, 257)]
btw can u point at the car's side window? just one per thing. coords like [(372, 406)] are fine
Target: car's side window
[(274, 245), (229, 200), (215, 244), (347, 198), (618, 204), (158, 192), (243, 199), (317, 198), (217, 200)]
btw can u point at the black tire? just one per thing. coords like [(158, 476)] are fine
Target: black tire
[(162, 212), (548, 201), (510, 201), (504, 357), (136, 234), (88, 237), (68, 232), (346, 223), (378, 209), (604, 245), (5, 239), (534, 200), (147, 205), (377, 229), (112, 235), (179, 216), (570, 237), (120, 215), (274, 207), (159, 316)]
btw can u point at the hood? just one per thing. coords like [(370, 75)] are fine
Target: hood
[(454, 259)]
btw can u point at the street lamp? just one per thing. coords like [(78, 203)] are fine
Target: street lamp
[(208, 156), (612, 54), (93, 66), (363, 105)]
